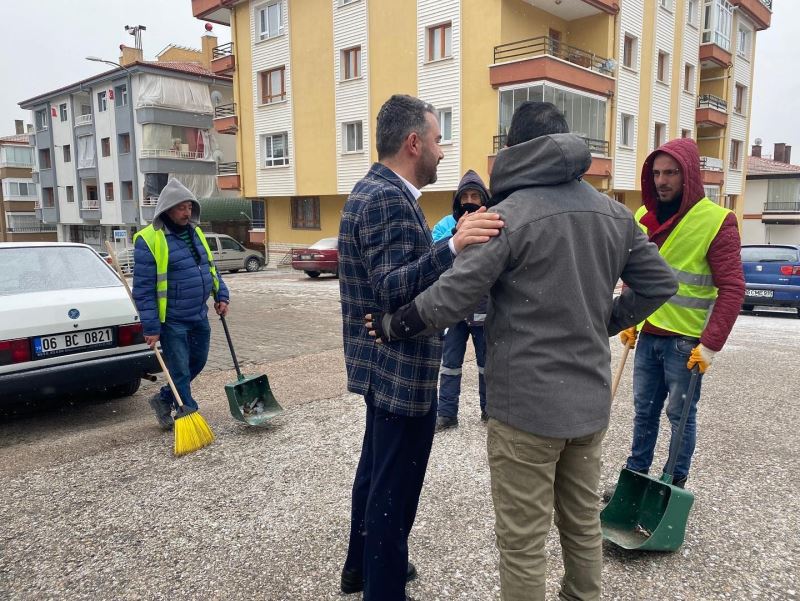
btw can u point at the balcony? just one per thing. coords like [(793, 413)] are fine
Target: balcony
[(781, 212), (90, 210), (712, 171), (578, 9), (228, 176), (759, 11), (216, 11), (83, 120), (225, 119), (601, 163), (712, 55), (545, 58), (223, 61), (148, 208), (712, 111), (172, 153)]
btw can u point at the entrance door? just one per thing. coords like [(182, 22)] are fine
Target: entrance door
[(554, 42)]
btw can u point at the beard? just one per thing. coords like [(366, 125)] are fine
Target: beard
[(425, 169)]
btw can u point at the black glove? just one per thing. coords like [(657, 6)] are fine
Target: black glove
[(402, 324)]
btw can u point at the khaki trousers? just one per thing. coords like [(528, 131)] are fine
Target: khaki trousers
[(531, 476)]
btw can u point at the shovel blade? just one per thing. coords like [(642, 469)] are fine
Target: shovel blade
[(251, 401), (646, 513)]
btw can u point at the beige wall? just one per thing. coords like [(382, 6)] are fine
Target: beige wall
[(521, 21)]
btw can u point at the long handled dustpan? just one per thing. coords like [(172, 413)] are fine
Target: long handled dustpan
[(648, 513), (250, 398)]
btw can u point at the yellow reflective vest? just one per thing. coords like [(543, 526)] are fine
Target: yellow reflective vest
[(685, 250), (156, 241)]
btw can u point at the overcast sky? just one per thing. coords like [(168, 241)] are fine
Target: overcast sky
[(44, 42)]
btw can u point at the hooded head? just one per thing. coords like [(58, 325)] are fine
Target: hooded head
[(173, 194), (466, 203), (681, 155)]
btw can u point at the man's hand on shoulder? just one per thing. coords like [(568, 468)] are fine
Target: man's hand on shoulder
[(476, 228)]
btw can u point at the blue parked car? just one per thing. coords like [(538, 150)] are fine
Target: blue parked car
[(771, 275)]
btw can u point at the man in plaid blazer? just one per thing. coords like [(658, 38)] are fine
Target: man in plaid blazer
[(386, 258)]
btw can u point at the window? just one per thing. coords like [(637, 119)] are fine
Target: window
[(86, 152), (688, 78), (62, 111), (269, 20), (231, 244), (212, 243), (717, 19), (105, 147), (67, 153), (440, 42), (729, 202), (102, 103), (276, 150), (273, 85), (659, 133), (629, 49), (712, 193), (665, 4), (351, 63), (121, 95), (259, 214), (124, 143), (686, 133), (127, 190), (19, 189), (626, 130), (44, 158), (662, 73), (743, 41), (109, 190), (691, 12), (352, 139), (739, 98), (345, 2), (446, 124), (16, 156), (41, 120), (305, 213), (736, 154), (70, 194), (48, 198)]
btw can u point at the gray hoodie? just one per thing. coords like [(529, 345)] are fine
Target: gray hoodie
[(174, 193), (551, 275)]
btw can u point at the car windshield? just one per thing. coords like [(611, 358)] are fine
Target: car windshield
[(325, 244), (766, 254), (40, 268)]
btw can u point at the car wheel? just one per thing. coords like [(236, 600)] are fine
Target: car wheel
[(252, 264), (312, 274), (747, 308), (126, 389)]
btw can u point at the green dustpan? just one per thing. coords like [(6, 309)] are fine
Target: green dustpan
[(250, 398), (648, 513)]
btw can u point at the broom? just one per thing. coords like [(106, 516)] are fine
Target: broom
[(192, 432)]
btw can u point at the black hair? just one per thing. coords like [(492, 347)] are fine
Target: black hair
[(400, 116), (534, 119)]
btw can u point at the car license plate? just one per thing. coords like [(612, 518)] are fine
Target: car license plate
[(72, 342), (758, 293), (305, 257)]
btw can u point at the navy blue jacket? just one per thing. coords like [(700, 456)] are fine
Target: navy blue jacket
[(188, 284), (386, 258)]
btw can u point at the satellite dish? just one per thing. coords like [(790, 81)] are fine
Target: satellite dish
[(758, 141), (216, 97)]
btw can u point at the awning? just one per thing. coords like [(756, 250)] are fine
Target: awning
[(222, 208)]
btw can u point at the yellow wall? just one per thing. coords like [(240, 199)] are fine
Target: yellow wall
[(314, 119), (243, 97), (181, 55), (646, 66), (436, 205), (593, 34), (280, 220), (521, 21), (715, 81), (392, 26)]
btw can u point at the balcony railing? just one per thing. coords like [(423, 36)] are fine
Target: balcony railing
[(45, 204), (170, 153), (222, 51), (258, 224), (83, 120), (782, 207), (90, 205), (711, 164), (225, 110), (227, 168), (599, 147), (32, 229), (150, 201), (767, 3), (5, 163), (545, 45), (709, 101)]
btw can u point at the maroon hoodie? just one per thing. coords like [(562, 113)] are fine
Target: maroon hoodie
[(723, 254)]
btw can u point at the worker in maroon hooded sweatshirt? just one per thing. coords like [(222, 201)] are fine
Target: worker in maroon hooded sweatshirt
[(700, 241)]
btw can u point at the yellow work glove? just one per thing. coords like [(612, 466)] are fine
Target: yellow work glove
[(628, 337), (702, 357)]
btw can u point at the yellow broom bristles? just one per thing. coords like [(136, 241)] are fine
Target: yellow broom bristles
[(192, 433)]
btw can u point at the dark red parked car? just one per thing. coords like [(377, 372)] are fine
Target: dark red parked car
[(320, 257)]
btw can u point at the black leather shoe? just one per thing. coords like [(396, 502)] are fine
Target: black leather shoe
[(444, 422), (353, 580), (484, 416)]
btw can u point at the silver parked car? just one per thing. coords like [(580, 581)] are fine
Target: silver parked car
[(231, 256)]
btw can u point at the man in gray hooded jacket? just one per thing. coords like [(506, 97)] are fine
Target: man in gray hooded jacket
[(550, 275)]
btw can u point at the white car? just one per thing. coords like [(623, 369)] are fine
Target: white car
[(67, 325)]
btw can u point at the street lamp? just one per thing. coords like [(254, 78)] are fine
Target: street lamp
[(97, 59)]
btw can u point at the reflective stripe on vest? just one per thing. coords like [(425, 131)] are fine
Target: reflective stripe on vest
[(156, 241), (685, 251)]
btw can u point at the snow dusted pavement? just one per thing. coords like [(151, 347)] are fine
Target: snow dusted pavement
[(94, 506)]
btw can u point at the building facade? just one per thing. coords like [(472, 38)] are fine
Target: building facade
[(309, 78), (106, 146)]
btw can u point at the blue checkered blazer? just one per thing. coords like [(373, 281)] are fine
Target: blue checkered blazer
[(386, 258)]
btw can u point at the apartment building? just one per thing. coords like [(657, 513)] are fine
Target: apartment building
[(309, 78), (772, 197), (106, 146), (18, 222)]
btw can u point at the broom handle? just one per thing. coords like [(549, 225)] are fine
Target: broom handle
[(114, 261), (620, 369), (230, 346)]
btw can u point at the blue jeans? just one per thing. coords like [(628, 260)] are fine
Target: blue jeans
[(455, 345), (185, 348), (659, 371)]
